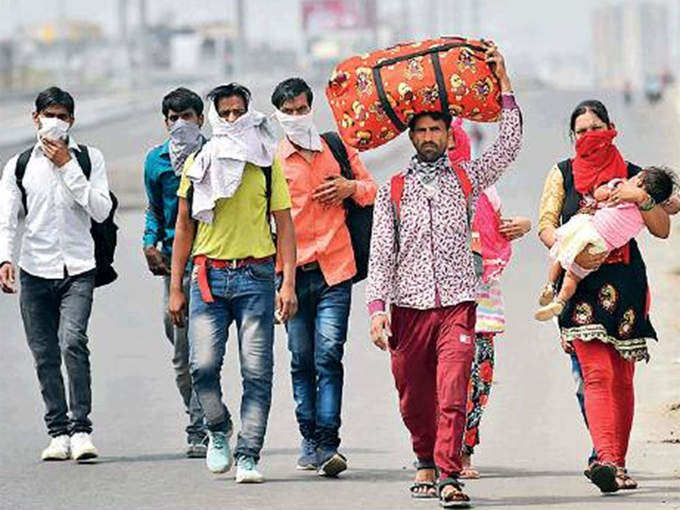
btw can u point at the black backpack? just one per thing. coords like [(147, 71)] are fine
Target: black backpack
[(359, 219), (104, 234)]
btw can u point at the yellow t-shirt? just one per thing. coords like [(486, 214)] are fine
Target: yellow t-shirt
[(239, 229)]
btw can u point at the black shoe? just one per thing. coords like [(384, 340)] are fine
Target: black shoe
[(604, 476)]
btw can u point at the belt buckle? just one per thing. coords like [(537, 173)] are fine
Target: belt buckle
[(234, 264)]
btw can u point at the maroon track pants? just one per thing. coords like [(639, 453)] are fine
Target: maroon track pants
[(432, 352)]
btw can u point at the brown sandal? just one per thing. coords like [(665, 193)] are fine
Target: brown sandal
[(624, 480)]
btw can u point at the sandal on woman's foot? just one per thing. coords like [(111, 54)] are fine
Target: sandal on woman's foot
[(423, 490), (469, 473), (547, 294), (454, 497), (604, 477), (549, 311), (625, 482)]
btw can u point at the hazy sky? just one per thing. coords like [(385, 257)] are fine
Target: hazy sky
[(529, 25)]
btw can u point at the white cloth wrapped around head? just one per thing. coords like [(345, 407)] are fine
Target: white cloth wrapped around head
[(217, 171)]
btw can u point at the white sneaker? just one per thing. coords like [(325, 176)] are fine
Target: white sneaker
[(246, 471), (58, 449), (82, 447)]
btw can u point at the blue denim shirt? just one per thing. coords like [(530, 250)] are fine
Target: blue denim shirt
[(161, 185)]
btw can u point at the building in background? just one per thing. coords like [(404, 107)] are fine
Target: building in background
[(631, 45)]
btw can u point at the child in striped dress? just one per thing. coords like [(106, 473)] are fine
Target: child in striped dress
[(491, 235), (494, 235)]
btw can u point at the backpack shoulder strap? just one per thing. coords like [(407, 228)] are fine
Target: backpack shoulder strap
[(83, 158), (337, 147), (267, 171), (396, 192), (19, 172)]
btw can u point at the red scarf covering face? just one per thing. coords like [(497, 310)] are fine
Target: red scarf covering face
[(597, 161)]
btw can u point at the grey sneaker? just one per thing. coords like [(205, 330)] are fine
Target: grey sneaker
[(308, 460), (331, 464), (197, 447)]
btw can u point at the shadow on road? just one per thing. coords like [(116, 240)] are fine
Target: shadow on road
[(296, 451), (154, 457)]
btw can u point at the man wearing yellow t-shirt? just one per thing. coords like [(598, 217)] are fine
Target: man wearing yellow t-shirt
[(230, 187)]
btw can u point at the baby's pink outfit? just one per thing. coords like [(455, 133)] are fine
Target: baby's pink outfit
[(618, 224)]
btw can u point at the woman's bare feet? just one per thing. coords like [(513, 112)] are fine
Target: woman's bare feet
[(625, 481), (468, 472)]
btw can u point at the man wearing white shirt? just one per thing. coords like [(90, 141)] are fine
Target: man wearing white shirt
[(57, 203)]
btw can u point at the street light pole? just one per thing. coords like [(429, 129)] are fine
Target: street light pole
[(240, 41)]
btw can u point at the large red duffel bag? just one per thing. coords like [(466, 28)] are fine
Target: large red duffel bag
[(374, 96)]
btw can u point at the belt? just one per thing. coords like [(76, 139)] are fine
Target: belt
[(202, 263), (310, 266)]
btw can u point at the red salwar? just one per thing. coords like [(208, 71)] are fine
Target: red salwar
[(432, 352), (609, 398)]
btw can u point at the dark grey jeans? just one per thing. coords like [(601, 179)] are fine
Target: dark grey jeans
[(55, 313), (179, 338)]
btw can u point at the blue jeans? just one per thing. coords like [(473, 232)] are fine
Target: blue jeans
[(245, 296), (316, 340), (179, 339), (55, 314)]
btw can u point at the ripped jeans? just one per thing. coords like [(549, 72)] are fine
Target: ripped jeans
[(245, 296)]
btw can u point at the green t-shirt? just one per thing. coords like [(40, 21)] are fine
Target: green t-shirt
[(239, 229)]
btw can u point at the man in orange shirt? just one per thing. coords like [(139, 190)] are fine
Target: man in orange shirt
[(325, 269)]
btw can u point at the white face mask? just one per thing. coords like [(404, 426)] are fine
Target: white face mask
[(53, 128), (301, 130), (185, 138)]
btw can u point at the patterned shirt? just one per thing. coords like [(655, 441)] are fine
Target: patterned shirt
[(433, 266)]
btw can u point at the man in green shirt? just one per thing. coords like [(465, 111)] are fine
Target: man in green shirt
[(227, 192)]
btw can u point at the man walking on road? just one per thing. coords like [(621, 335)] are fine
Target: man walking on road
[(46, 186), (325, 268), (183, 113), (230, 188), (422, 264)]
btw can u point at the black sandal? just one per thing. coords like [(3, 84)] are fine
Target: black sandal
[(430, 487), (604, 476), (430, 491), (456, 498)]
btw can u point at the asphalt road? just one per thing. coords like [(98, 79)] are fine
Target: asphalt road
[(534, 444)]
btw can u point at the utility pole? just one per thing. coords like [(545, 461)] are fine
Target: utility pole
[(405, 18), (240, 42), (476, 20), (433, 25), (124, 35), (142, 36)]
